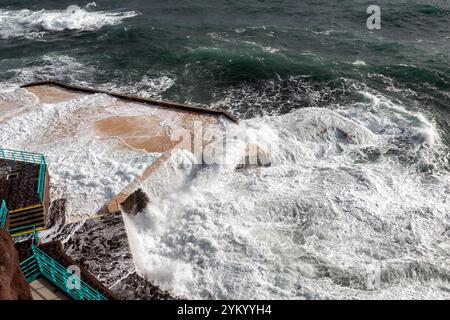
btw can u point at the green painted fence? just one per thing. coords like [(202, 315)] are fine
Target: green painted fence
[(3, 218), (8, 154), (41, 264), (30, 157), (3, 214), (59, 276), (41, 180), (30, 269)]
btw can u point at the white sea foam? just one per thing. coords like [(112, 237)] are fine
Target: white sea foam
[(224, 38), (34, 24), (68, 69), (147, 87), (264, 48), (345, 213), (326, 32), (85, 169), (355, 206), (58, 67), (359, 63)]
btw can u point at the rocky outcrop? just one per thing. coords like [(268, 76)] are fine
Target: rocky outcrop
[(12, 282), (135, 203), (134, 287)]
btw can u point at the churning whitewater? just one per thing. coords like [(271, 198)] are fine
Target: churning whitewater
[(355, 207), (35, 24), (356, 201)]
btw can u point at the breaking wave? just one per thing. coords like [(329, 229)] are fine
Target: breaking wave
[(355, 206), (70, 70), (34, 24)]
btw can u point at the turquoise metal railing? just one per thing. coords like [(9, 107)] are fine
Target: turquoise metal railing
[(36, 158), (59, 276), (24, 232), (3, 214), (8, 154), (41, 180), (41, 263), (30, 269)]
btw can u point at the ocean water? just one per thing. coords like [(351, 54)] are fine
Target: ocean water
[(357, 204)]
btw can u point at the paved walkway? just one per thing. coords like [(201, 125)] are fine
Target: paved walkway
[(41, 289)]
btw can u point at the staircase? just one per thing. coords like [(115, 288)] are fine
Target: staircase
[(24, 186), (24, 183), (55, 250), (23, 221), (71, 284), (51, 265), (30, 269)]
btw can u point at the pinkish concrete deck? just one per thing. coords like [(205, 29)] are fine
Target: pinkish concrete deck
[(41, 289), (159, 127)]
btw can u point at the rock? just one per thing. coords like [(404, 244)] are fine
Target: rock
[(135, 203), (13, 285), (134, 287)]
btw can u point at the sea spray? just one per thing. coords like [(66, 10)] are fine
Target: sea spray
[(35, 24), (321, 223)]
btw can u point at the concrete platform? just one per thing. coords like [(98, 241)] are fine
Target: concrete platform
[(166, 129), (41, 289), (138, 124)]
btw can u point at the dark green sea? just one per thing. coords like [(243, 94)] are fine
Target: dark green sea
[(374, 195), (258, 56)]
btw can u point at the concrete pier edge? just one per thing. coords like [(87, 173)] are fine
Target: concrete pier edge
[(164, 104)]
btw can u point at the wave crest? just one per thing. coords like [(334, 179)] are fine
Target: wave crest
[(34, 24)]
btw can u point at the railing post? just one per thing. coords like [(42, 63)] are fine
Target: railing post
[(80, 292), (19, 155), (3, 214), (41, 179), (35, 236), (59, 275), (52, 262)]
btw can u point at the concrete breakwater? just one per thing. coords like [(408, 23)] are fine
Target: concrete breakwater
[(121, 125)]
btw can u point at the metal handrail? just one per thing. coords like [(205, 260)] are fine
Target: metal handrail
[(30, 269), (59, 276), (41, 179), (16, 155), (22, 231), (40, 263), (3, 214), (30, 157)]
